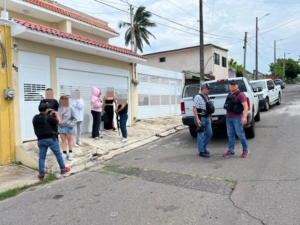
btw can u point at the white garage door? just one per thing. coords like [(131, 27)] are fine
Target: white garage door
[(34, 79), (159, 92), (74, 75)]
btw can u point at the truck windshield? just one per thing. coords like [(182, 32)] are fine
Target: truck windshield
[(191, 91), (223, 87), (258, 84)]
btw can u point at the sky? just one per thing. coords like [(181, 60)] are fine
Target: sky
[(225, 24)]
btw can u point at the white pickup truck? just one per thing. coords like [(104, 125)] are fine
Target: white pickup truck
[(268, 93), (218, 95)]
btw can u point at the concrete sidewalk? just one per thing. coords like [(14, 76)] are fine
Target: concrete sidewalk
[(12, 176), (94, 152)]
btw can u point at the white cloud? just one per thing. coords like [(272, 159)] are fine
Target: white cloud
[(231, 19)]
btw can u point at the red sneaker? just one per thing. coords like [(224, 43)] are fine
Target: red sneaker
[(245, 154), (65, 170), (229, 154), (41, 176)]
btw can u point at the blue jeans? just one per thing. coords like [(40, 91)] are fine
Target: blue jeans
[(123, 120), (234, 125), (202, 138), (53, 145)]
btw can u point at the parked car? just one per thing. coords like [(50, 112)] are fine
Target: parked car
[(219, 94), (269, 94), (279, 82)]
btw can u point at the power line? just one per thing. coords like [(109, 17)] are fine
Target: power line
[(258, 54), (180, 9)]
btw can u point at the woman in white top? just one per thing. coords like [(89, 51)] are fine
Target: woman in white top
[(78, 106)]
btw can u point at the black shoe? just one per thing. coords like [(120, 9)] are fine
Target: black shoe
[(204, 154), (206, 151)]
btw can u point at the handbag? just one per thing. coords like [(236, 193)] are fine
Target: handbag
[(104, 118)]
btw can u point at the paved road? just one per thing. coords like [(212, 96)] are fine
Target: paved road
[(175, 189)]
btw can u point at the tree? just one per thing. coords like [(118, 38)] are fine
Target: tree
[(239, 68), (140, 24), (292, 68)]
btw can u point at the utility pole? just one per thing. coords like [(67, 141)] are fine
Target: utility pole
[(245, 53), (274, 59), (131, 22), (283, 68), (256, 51), (201, 42)]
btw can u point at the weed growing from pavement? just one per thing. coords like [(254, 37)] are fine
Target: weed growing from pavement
[(48, 178), (19, 163), (116, 174), (12, 192), (164, 171)]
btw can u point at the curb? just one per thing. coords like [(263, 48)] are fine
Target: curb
[(97, 159)]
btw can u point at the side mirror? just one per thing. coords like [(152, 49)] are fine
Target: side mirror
[(259, 89), (271, 88)]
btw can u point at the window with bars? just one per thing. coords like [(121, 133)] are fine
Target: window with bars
[(143, 100), (143, 78), (154, 80), (34, 92)]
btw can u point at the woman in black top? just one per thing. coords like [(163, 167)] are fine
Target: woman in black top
[(122, 112), (109, 111)]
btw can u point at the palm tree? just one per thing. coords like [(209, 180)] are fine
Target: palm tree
[(140, 24)]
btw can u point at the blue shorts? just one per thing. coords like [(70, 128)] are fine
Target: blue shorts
[(65, 130)]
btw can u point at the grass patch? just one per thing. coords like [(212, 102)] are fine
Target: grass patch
[(116, 174), (12, 192), (48, 178), (163, 171), (19, 163), (31, 189)]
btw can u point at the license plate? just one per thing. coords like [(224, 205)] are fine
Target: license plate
[(215, 118)]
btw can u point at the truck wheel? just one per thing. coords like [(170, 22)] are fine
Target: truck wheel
[(193, 131), (267, 105), (250, 131), (257, 117), (279, 100)]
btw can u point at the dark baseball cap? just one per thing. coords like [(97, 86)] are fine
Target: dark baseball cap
[(43, 107), (233, 82), (206, 85)]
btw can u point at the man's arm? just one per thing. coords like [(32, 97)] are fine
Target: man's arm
[(57, 118), (244, 119), (196, 116)]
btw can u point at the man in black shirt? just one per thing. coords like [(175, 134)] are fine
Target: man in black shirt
[(45, 127)]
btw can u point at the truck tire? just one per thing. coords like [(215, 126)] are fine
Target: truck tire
[(193, 131), (250, 131), (267, 105), (279, 100), (257, 117)]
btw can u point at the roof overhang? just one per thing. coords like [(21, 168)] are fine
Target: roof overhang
[(21, 32), (41, 13)]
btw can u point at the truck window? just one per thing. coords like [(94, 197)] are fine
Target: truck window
[(261, 84), (223, 87), (191, 91)]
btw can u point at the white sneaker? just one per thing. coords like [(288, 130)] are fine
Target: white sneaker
[(49, 152), (70, 156), (64, 156), (75, 145), (124, 140), (79, 143)]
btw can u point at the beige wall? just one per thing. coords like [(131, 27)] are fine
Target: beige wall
[(219, 71), (88, 35), (54, 53), (190, 60)]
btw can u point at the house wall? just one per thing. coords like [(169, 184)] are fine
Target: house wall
[(219, 71), (53, 53), (190, 60), (88, 35)]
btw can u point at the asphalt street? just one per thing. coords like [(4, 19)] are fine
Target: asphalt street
[(166, 182)]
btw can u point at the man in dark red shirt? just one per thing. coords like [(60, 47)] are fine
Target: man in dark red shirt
[(236, 120)]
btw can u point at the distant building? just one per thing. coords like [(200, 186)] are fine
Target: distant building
[(188, 59)]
